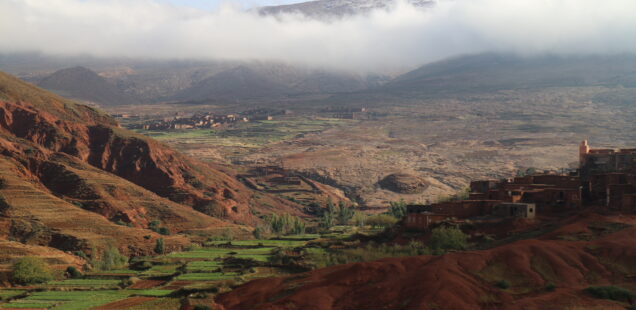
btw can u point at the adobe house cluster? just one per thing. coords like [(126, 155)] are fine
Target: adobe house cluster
[(606, 177)]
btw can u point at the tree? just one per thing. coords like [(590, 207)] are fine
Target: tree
[(398, 209), (31, 270), (111, 259), (160, 247), (286, 224), (448, 238), (259, 232), (344, 213)]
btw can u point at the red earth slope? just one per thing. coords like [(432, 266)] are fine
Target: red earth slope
[(574, 257)]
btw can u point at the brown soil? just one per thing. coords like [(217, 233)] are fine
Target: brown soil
[(462, 280), (146, 284), (125, 303)]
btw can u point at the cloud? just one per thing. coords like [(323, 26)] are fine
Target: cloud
[(401, 37)]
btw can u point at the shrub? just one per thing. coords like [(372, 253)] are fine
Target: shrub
[(31, 270), (611, 292), (381, 220), (73, 272), (202, 307), (164, 231), (503, 284), (448, 238)]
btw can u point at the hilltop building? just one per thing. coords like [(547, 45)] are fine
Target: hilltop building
[(606, 177)]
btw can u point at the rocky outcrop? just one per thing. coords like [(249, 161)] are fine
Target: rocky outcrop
[(403, 183)]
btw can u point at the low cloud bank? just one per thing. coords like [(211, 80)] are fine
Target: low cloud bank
[(400, 37)]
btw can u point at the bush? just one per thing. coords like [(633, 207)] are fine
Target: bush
[(31, 270), (202, 307), (448, 238), (503, 284), (550, 287), (611, 292), (73, 272)]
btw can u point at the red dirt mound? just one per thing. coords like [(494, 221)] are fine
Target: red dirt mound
[(461, 280)]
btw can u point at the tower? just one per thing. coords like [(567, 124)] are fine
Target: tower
[(584, 149)]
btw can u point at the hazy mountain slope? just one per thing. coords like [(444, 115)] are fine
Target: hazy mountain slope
[(84, 84), (238, 83), (336, 8), (491, 72), (266, 81)]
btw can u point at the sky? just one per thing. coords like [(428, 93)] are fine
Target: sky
[(399, 38)]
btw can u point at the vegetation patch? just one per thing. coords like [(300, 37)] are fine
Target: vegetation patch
[(611, 292)]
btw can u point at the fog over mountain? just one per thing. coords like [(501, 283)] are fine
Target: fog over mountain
[(398, 36)]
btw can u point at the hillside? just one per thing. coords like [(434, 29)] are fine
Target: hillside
[(484, 73), (467, 280), (71, 179), (84, 84)]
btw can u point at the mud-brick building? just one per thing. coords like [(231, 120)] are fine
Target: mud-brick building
[(550, 192), (420, 217), (608, 177), (515, 210)]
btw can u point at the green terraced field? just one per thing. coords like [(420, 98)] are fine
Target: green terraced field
[(6, 294), (211, 253), (203, 266), (92, 283), (216, 276), (161, 270), (266, 243), (151, 292), (74, 300)]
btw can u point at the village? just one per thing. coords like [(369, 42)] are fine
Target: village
[(208, 119), (605, 178)]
